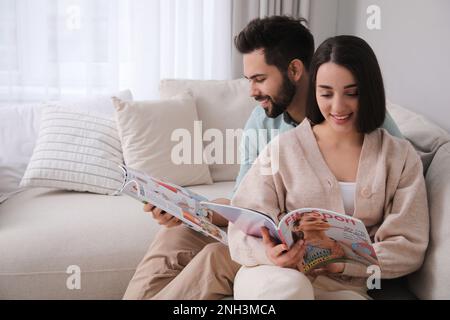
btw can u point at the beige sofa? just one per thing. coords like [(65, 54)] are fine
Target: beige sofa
[(45, 231)]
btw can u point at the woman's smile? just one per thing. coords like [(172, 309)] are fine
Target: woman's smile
[(341, 119)]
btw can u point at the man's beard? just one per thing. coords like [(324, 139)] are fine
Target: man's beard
[(283, 99)]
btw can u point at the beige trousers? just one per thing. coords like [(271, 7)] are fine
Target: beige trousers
[(274, 283), (183, 264)]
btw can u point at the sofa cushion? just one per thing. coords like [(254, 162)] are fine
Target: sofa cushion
[(78, 151), (44, 231), (425, 136), (17, 145), (152, 133), (432, 281), (221, 105)]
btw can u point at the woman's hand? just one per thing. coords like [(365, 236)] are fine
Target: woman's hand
[(279, 254)]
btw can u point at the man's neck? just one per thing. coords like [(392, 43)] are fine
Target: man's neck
[(296, 109)]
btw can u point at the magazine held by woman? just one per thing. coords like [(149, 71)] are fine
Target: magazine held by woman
[(329, 236)]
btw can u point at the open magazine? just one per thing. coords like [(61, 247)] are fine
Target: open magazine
[(180, 202), (329, 236)]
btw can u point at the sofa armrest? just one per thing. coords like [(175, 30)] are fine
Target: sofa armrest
[(432, 281)]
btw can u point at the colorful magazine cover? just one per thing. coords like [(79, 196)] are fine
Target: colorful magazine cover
[(329, 236)]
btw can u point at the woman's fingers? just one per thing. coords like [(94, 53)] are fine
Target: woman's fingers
[(267, 239), (278, 250), (291, 257)]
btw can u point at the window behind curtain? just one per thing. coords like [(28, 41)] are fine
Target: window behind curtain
[(53, 49)]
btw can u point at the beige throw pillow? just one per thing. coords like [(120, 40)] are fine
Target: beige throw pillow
[(223, 106), (158, 138)]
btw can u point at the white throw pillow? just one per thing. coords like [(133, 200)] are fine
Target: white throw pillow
[(76, 151), (146, 129), (19, 128), (221, 105)]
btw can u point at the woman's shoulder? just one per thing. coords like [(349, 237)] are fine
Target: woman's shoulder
[(287, 138), (286, 143), (302, 131), (388, 139), (395, 146)]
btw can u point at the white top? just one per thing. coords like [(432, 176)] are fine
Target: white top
[(348, 195)]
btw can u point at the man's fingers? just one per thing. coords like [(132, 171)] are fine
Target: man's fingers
[(165, 218), (148, 207), (173, 222), (158, 213)]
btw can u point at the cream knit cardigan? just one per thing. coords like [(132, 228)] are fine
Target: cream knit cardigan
[(390, 199)]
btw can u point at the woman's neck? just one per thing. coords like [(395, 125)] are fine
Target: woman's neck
[(324, 132)]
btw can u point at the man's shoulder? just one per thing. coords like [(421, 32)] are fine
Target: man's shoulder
[(259, 120), (257, 116)]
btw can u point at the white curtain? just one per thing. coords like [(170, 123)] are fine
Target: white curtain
[(53, 49)]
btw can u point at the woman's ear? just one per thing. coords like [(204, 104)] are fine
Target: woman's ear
[(295, 70)]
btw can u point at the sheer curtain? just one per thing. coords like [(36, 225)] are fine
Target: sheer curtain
[(53, 49)]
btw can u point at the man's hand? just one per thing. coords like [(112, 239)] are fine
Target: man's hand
[(163, 218), (279, 254), (217, 219), (169, 221)]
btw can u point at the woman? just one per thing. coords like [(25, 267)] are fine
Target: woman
[(338, 159)]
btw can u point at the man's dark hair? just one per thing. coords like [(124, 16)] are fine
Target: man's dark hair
[(282, 38), (357, 56)]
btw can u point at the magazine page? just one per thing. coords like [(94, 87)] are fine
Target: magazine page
[(178, 201), (247, 220), (329, 236)]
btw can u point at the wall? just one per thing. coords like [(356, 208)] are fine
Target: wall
[(413, 47), (323, 19)]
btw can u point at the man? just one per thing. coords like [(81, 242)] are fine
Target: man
[(184, 264)]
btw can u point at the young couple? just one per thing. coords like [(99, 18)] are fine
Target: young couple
[(337, 150)]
